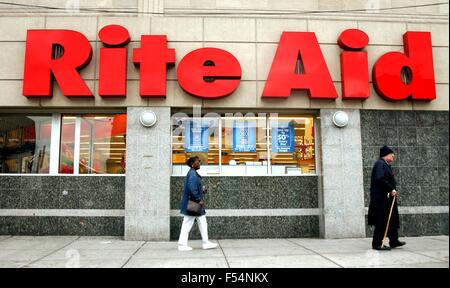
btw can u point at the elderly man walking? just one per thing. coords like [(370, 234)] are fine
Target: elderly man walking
[(382, 193)]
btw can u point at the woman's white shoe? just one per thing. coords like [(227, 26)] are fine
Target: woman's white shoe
[(184, 248), (209, 245)]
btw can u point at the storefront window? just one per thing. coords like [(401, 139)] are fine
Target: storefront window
[(25, 143), (200, 137), (102, 140), (246, 144), (291, 141)]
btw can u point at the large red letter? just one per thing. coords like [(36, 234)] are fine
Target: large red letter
[(40, 63), (418, 57), (209, 73), (152, 58), (282, 77), (354, 64), (112, 79)]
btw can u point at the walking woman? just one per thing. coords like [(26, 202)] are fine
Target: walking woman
[(193, 190)]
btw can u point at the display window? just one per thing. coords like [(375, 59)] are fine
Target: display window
[(244, 145), (97, 141), (250, 145), (25, 143), (200, 137), (291, 145)]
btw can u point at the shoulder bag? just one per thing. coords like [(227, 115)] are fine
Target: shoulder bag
[(194, 208)]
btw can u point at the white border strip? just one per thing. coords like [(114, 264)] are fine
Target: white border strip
[(419, 210), (76, 151), (255, 212), (210, 212), (63, 212), (54, 144)]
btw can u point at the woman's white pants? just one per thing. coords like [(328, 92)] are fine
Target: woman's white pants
[(188, 222)]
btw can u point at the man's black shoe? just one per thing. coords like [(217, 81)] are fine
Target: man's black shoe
[(397, 244), (385, 248)]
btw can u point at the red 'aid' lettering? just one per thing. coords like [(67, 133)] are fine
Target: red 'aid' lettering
[(282, 77), (354, 64), (418, 57)]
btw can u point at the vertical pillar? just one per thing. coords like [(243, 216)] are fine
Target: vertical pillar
[(342, 177), (147, 184)]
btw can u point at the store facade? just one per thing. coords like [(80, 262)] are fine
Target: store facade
[(99, 111)]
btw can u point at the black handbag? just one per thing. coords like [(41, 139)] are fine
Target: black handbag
[(194, 208)]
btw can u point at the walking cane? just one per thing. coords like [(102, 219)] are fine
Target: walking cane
[(387, 226)]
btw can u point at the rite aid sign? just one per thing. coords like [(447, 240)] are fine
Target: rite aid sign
[(212, 73)]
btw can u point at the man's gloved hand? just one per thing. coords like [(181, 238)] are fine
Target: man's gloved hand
[(393, 193)]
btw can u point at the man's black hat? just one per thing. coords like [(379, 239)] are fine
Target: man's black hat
[(385, 150)]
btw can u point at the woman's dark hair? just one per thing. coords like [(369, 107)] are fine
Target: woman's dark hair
[(191, 160)]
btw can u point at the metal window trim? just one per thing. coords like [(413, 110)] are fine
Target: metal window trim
[(77, 139), (316, 130), (55, 144), (269, 148), (220, 145)]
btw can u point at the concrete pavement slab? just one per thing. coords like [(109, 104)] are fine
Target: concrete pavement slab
[(439, 237), (266, 251), (164, 245), (335, 245), (97, 263), (173, 252), (36, 242), (196, 244), (166, 249), (374, 258), (215, 262), (101, 238), (293, 261), (23, 255), (105, 244), (440, 255), (424, 243), (255, 243), (12, 263), (90, 254), (417, 265)]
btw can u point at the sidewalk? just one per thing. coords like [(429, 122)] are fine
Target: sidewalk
[(74, 251)]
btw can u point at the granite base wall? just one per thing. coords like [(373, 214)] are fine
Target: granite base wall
[(64, 193), (237, 193), (420, 142)]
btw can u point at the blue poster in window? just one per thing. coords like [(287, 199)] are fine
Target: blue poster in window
[(283, 138), (196, 137), (244, 136)]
